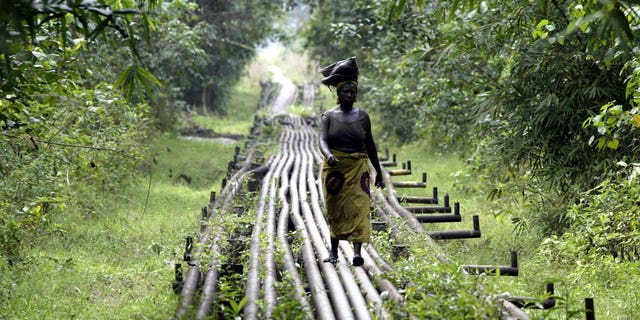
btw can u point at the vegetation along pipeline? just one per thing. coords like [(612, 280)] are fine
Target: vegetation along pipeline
[(265, 236)]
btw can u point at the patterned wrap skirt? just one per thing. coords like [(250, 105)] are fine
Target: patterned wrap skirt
[(347, 199)]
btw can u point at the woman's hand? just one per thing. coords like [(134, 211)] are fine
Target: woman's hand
[(332, 160), (379, 183)]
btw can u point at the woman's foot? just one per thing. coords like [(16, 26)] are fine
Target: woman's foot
[(332, 259), (358, 261)]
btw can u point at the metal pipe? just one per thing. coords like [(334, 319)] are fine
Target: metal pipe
[(187, 251), (508, 311), (178, 283), (339, 298), (268, 253), (386, 163), (207, 297), (459, 234), (283, 223), (491, 270), (386, 155), (434, 209), (188, 291), (375, 256), (192, 280), (511, 270), (402, 172), (590, 312), (364, 281), (429, 209), (439, 218), (395, 207), (399, 172), (318, 290), (371, 294), (372, 270), (212, 197), (252, 288), (374, 273), (409, 184), (193, 277), (529, 302), (410, 199)]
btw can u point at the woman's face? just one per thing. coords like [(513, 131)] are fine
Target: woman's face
[(348, 93)]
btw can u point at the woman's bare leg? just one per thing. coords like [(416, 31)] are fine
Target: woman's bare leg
[(333, 256), (357, 256)]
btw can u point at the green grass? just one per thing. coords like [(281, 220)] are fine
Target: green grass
[(243, 101), (119, 264), (612, 284), (117, 260)]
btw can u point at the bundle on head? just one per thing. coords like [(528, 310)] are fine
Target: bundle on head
[(340, 71)]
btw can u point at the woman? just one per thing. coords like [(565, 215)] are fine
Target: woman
[(348, 146)]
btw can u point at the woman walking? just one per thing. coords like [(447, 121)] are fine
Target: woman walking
[(348, 147)]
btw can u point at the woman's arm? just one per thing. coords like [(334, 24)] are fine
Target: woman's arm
[(372, 152), (324, 141)]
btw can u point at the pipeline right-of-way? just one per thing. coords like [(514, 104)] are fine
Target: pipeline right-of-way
[(289, 236)]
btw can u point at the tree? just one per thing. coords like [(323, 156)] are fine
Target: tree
[(80, 82), (513, 81), (233, 30), (64, 133)]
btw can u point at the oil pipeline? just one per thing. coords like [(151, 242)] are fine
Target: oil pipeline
[(282, 235)]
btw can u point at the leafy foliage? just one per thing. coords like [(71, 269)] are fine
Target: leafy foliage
[(229, 32), (64, 138), (606, 223), (541, 97), (60, 19), (512, 81), (82, 81), (439, 291), (63, 150), (332, 35)]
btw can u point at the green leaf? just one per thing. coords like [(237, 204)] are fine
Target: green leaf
[(125, 81), (401, 7), (453, 8), (540, 32), (145, 74)]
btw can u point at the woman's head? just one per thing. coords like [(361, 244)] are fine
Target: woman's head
[(347, 92)]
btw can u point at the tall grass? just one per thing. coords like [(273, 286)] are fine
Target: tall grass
[(611, 283), (119, 264), (244, 102)]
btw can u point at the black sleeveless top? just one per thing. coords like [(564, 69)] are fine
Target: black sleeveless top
[(348, 136)]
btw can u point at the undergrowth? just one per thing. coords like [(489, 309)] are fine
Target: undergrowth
[(118, 263), (584, 262)]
